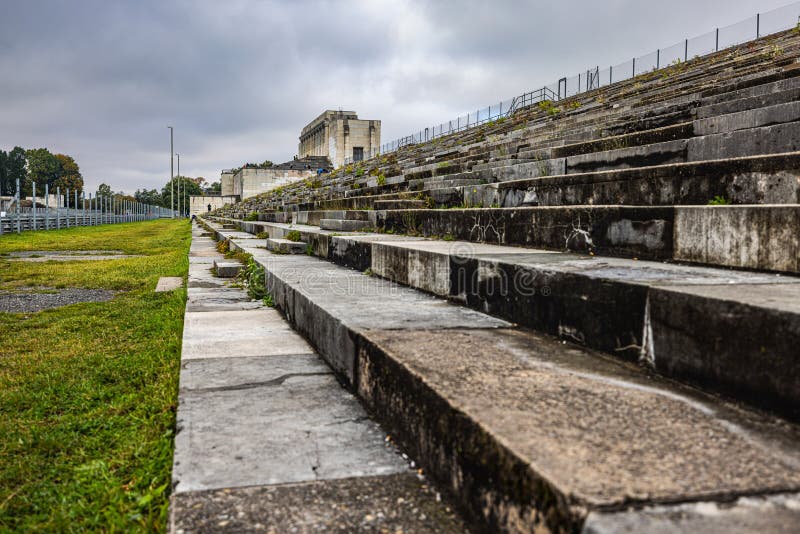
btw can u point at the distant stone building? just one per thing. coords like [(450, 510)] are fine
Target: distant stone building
[(198, 204), (341, 136), (250, 181)]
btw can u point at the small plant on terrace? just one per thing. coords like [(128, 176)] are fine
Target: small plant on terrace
[(548, 107), (262, 235), (719, 200), (251, 216), (269, 301), (294, 235), (381, 180)]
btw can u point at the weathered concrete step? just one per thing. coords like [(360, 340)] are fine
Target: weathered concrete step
[(343, 225), (285, 246), (390, 503), (710, 328), (524, 430), (768, 179), (314, 217), (269, 440), (399, 204), (227, 269)]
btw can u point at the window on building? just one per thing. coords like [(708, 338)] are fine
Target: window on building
[(358, 153)]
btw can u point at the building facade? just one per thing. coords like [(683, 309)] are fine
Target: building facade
[(249, 181), (341, 136), (198, 204)]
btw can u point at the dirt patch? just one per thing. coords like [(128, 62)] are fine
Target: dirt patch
[(43, 298), (67, 255)]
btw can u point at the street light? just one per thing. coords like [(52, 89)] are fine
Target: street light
[(180, 213), (171, 176)]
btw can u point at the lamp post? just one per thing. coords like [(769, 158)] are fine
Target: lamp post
[(180, 213), (171, 176)]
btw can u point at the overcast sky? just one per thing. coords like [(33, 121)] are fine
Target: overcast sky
[(101, 80)]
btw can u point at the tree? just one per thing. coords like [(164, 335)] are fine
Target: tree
[(43, 169), (3, 173), (12, 167), (104, 190), (187, 188), (214, 189), (152, 197)]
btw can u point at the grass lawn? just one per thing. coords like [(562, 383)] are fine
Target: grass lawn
[(88, 392)]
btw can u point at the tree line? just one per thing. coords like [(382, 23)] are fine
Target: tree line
[(39, 166)]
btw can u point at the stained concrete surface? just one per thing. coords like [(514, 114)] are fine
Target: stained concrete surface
[(259, 411)]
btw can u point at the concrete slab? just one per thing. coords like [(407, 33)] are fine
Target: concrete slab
[(285, 246), (169, 283), (229, 334), (306, 427), (227, 269)]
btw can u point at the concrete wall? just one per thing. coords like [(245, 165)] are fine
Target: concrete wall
[(226, 180), (251, 182), (199, 203)]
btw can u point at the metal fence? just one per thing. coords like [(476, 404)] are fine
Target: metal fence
[(754, 27), (74, 209)]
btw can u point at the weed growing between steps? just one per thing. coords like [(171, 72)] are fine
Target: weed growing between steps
[(88, 391)]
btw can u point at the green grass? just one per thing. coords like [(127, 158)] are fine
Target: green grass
[(88, 392)]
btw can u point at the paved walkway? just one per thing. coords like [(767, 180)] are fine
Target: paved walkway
[(268, 440)]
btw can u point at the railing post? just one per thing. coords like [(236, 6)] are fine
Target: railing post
[(76, 207), (66, 205), (46, 206), (19, 210), (686, 50), (634, 68), (58, 211), (758, 25), (33, 208), (658, 59), (716, 47), (610, 75)]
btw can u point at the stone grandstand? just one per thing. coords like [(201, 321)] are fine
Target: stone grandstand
[(633, 253)]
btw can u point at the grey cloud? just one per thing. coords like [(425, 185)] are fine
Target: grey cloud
[(101, 80)]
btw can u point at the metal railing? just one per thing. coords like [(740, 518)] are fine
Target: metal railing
[(75, 209), (757, 26)]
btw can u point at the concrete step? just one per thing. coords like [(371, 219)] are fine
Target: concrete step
[(523, 430), (267, 437), (285, 246), (399, 204), (770, 179), (315, 216), (227, 269), (343, 225), (608, 304)]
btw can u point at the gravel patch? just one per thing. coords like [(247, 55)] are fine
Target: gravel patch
[(66, 255), (38, 299)]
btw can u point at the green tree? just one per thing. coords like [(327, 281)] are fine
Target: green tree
[(12, 167), (3, 173), (43, 169), (188, 187), (214, 189), (69, 176), (104, 190), (152, 197)]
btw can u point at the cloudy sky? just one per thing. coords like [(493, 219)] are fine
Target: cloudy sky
[(238, 79)]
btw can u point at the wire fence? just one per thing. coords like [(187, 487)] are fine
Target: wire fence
[(759, 25), (54, 212)]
